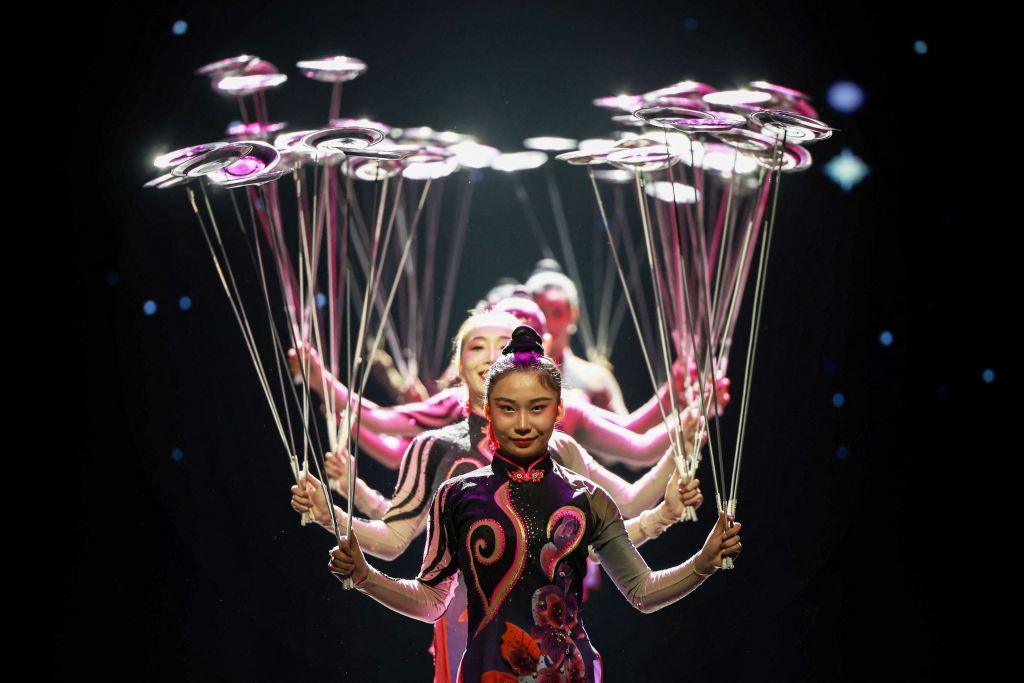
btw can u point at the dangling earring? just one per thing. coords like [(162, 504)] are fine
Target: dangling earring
[(571, 329), (492, 441)]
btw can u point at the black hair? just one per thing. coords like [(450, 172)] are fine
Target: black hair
[(524, 352)]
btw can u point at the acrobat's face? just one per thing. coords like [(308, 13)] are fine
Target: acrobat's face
[(523, 412), (480, 348), (559, 312)]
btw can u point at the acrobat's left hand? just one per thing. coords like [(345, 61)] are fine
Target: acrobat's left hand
[(679, 495), (723, 541), (347, 560)]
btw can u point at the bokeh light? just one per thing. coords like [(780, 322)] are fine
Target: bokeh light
[(846, 169), (838, 399), (185, 303), (845, 96), (886, 338), (180, 27), (149, 307)]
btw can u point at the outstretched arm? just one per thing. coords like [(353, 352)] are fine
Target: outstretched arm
[(374, 418), (404, 519), (413, 598), (427, 596), (384, 539), (632, 498), (368, 500), (649, 590), (613, 443)]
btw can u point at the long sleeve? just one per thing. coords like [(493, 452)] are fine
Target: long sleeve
[(410, 597), (615, 443), (390, 536), (370, 501), (632, 498), (645, 589), (375, 418), (427, 596), (384, 539)]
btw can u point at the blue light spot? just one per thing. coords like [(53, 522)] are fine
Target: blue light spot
[(942, 392), (321, 300), (185, 303), (988, 376), (845, 96), (846, 169), (180, 27), (691, 24), (177, 454), (885, 338), (920, 47), (838, 400), (843, 452), (149, 307), (113, 278)]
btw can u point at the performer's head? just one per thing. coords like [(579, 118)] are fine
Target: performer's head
[(557, 297), (502, 289), (477, 345), (523, 395), (525, 309)]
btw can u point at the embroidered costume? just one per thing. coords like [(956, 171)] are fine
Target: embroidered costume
[(520, 537)]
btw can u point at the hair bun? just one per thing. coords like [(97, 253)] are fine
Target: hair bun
[(524, 339)]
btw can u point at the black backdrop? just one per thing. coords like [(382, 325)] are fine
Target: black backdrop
[(195, 568)]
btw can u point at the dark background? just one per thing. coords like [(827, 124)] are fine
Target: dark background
[(882, 562)]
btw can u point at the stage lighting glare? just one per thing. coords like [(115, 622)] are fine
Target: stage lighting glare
[(885, 338), (149, 307), (988, 376), (838, 399), (920, 47), (185, 303), (180, 27)]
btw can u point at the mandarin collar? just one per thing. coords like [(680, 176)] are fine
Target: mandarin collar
[(531, 472)]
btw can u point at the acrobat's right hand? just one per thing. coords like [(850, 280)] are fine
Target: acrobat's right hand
[(306, 355), (337, 468), (310, 496), (347, 561)]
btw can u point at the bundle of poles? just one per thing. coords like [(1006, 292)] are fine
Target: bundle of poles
[(339, 228), (705, 168)]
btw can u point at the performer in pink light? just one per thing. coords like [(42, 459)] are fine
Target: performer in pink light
[(609, 437), (557, 296), (519, 530), (435, 456)]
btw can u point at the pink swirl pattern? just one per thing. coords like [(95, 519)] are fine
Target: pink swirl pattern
[(501, 591), (477, 548), (558, 548)]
